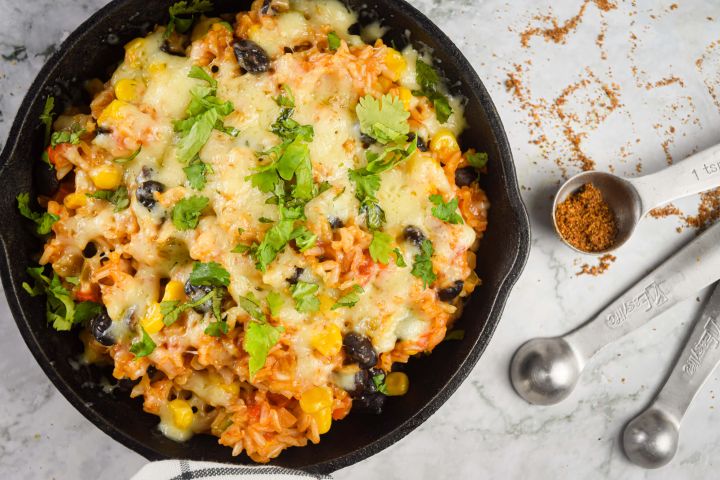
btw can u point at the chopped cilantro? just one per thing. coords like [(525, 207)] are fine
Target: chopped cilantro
[(477, 159), (217, 328), (286, 98), (196, 136), (196, 173), (144, 346), (380, 248), (385, 120), (240, 248), (259, 339), (349, 299), (275, 303), (447, 212), (179, 12), (186, 213), (118, 197), (304, 295), (200, 74), (130, 158), (251, 305), (399, 259), (428, 80), (422, 265), (71, 137), (43, 221), (379, 382), (273, 243), (172, 309), (304, 238), (47, 117), (333, 41), (211, 274)]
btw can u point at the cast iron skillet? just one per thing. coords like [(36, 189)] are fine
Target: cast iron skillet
[(94, 50)]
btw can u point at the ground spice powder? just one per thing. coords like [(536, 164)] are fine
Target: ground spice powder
[(586, 221)]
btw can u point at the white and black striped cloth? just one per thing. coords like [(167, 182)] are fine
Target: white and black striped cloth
[(187, 470)]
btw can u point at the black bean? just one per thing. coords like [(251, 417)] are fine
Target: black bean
[(145, 193), (125, 384), (251, 57), (366, 140), (99, 326), (360, 349), (414, 234), (448, 293), (335, 223), (90, 250), (363, 383), (175, 44), (195, 293), (369, 403), (295, 277), (465, 176), (421, 145), (265, 7), (355, 29)]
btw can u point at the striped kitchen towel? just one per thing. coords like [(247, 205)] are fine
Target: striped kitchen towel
[(187, 470)]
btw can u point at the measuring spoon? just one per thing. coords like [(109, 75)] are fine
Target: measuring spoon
[(631, 199), (544, 371), (651, 438)]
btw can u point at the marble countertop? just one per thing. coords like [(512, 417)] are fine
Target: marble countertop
[(627, 87)]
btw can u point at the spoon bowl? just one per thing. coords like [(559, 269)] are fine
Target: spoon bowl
[(650, 440), (621, 196), (544, 371)]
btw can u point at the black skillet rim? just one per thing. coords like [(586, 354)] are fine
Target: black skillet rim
[(521, 254)]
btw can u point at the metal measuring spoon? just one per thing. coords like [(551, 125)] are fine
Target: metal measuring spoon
[(631, 199), (651, 439), (545, 370)]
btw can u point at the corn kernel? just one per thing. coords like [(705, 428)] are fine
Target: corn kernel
[(323, 419), (126, 89), (329, 341), (75, 200), (231, 388), (396, 383), (174, 291), (253, 30), (406, 97), (396, 63), (182, 413), (444, 142), (134, 52), (157, 67), (106, 177), (112, 112), (152, 322), (326, 302), (316, 399)]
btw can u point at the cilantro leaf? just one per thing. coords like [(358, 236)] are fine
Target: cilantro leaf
[(385, 120), (333, 41), (212, 274), (259, 339), (240, 248), (43, 221), (428, 80), (71, 137), (144, 346), (118, 197), (304, 238), (216, 329), (399, 259), (172, 309), (251, 305), (447, 212), (194, 138), (286, 99), (186, 213), (196, 173), (200, 74), (380, 248), (478, 159), (422, 265), (47, 117), (274, 241), (304, 295), (275, 302), (379, 382), (349, 299), (182, 9), (130, 158)]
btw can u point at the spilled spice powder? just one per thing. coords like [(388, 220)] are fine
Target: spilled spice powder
[(586, 221), (595, 270)]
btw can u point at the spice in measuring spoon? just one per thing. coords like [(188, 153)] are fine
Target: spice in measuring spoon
[(586, 221)]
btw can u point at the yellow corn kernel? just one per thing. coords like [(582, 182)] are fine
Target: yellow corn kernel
[(231, 388), (174, 291), (182, 413), (152, 322), (396, 63), (75, 200), (444, 142), (329, 341), (316, 399), (106, 177), (134, 52), (323, 418), (126, 89), (112, 112), (252, 30), (396, 383), (326, 302), (406, 97), (157, 67)]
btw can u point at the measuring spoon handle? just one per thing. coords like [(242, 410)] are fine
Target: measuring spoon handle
[(695, 174), (697, 361), (694, 267)]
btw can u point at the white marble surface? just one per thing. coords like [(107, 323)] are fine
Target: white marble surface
[(484, 427)]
